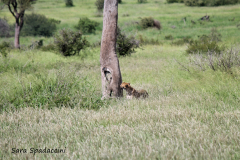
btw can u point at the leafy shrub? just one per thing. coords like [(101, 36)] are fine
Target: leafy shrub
[(99, 4), (85, 25), (148, 22), (209, 2), (37, 24), (69, 3), (142, 1), (206, 43), (125, 45), (4, 28), (5, 47), (69, 42)]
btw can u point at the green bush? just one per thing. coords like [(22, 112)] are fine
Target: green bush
[(69, 3), (206, 43), (125, 45), (38, 25), (70, 43), (209, 2), (147, 22), (99, 4), (85, 25), (5, 47)]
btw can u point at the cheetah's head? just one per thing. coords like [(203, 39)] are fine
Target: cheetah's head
[(125, 85)]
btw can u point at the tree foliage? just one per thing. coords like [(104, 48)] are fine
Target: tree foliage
[(209, 2), (37, 24), (126, 45), (85, 25), (70, 43), (69, 3)]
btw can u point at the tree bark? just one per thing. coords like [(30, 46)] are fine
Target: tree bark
[(17, 34), (110, 69)]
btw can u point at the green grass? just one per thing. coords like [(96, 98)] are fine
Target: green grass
[(187, 115), (47, 100)]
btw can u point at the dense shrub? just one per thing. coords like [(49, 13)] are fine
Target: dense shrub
[(125, 45), (147, 22), (150, 22), (99, 4), (85, 25), (5, 47), (69, 3), (37, 24), (209, 2), (69, 42), (4, 28), (206, 43)]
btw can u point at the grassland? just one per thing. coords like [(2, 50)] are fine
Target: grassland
[(188, 115)]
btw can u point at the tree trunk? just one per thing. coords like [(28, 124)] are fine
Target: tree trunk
[(17, 34), (110, 69)]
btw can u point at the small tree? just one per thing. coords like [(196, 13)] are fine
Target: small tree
[(70, 43), (17, 9), (85, 25), (99, 4), (38, 25), (125, 44), (69, 3)]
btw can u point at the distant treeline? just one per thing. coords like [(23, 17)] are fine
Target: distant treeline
[(205, 2)]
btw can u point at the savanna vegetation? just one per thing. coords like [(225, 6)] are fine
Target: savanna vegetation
[(50, 88)]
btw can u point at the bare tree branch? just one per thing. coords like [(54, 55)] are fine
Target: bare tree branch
[(10, 9)]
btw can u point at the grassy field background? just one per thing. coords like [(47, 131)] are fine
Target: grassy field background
[(188, 115)]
